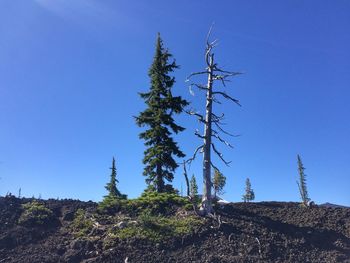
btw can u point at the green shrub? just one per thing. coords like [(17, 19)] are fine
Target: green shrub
[(35, 213), (150, 201), (82, 224), (159, 228), (188, 207), (158, 203), (110, 205)]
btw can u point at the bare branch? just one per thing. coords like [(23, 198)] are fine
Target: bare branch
[(199, 86), (199, 135), (196, 73), (220, 155), (221, 140), (199, 116), (231, 73), (194, 154), (216, 100), (226, 96), (218, 117), (209, 33), (223, 131), (224, 77), (215, 168)]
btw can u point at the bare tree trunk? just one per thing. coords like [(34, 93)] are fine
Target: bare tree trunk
[(206, 206), (213, 73), (160, 182), (186, 178)]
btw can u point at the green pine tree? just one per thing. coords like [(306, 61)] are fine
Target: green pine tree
[(219, 182), (249, 193), (111, 187), (158, 117), (193, 187), (302, 183)]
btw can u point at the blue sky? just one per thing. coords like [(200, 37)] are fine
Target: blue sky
[(70, 72)]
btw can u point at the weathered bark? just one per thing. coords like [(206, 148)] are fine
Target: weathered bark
[(186, 179), (160, 181), (206, 205)]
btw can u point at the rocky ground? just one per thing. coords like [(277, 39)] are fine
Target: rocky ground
[(240, 232)]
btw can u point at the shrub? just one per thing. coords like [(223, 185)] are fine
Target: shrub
[(82, 225), (35, 213), (110, 205), (158, 203), (153, 202), (159, 228)]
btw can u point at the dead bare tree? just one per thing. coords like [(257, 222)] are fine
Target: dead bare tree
[(212, 122), (186, 179)]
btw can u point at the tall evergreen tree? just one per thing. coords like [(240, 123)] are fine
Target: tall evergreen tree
[(158, 117), (111, 187), (302, 183), (249, 193), (193, 187)]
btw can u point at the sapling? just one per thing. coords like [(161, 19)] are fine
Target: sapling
[(302, 183)]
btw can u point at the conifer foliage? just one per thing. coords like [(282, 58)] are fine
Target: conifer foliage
[(111, 187), (249, 193), (193, 187), (219, 182), (302, 183), (158, 117)]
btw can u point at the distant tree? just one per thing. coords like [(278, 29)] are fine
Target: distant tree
[(211, 121), (111, 187), (193, 187), (219, 182), (249, 193), (302, 183), (158, 116)]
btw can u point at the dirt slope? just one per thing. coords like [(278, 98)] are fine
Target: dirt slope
[(254, 232)]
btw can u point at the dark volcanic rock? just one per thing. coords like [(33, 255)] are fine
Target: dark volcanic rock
[(246, 232)]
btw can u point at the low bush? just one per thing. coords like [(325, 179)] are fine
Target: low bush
[(110, 205), (153, 202), (35, 213), (158, 203), (82, 224), (159, 228)]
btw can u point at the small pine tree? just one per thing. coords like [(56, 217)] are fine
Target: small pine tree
[(111, 187), (193, 187), (219, 182), (249, 192), (302, 183)]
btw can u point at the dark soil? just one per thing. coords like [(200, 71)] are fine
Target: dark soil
[(240, 232)]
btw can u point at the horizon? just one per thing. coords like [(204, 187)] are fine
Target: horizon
[(70, 73)]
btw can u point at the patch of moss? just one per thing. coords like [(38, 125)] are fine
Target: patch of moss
[(35, 213)]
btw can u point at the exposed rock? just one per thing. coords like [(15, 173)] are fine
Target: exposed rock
[(248, 232)]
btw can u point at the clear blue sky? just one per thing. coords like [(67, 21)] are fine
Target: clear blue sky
[(70, 72)]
